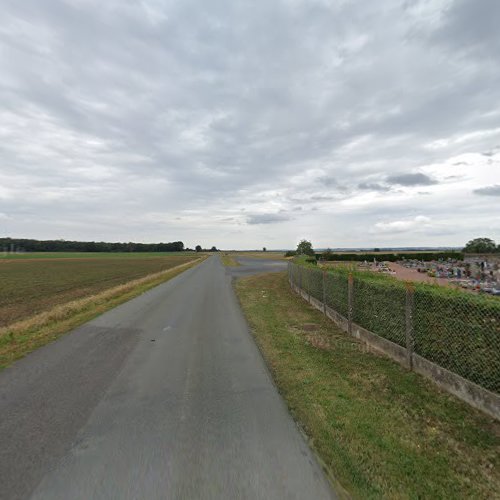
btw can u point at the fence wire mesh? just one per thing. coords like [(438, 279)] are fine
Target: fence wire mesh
[(380, 308), (337, 292), (460, 332), (316, 284), (456, 330)]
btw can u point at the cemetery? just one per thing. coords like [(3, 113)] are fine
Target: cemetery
[(479, 273), (475, 273)]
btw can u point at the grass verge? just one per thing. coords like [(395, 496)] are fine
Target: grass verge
[(23, 337), (380, 430), (229, 260)]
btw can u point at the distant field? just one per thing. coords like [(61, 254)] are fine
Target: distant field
[(36, 284), (260, 255), (91, 255)]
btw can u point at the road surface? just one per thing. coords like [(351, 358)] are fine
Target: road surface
[(165, 396)]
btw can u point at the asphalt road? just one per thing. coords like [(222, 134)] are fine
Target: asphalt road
[(166, 396)]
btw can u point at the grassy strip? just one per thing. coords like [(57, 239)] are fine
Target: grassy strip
[(23, 337), (229, 261), (380, 430)]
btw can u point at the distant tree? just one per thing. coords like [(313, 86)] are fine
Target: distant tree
[(305, 248), (213, 249), (376, 249), (29, 245), (198, 248), (264, 249), (481, 245), (326, 254), (290, 253)]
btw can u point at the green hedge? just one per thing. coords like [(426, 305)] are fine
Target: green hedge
[(391, 257), (457, 330)]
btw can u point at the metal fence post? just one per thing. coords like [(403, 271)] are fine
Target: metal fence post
[(350, 302), (300, 279), (409, 311), (324, 292), (309, 287)]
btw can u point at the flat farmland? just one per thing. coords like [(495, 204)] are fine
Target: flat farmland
[(29, 286), (89, 255), (270, 254)]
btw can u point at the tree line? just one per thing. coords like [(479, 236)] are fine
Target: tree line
[(481, 245), (477, 245), (30, 245)]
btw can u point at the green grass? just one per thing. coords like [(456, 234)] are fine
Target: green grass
[(90, 255), (380, 430), (229, 260)]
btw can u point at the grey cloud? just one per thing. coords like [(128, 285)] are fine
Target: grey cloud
[(267, 218), (321, 198), (327, 181), (492, 152), (488, 190), (417, 179), (373, 186), (159, 107), (471, 28)]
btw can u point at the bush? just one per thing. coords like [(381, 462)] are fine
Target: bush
[(391, 257)]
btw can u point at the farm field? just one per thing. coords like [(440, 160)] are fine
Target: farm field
[(259, 255), (90, 255), (33, 285)]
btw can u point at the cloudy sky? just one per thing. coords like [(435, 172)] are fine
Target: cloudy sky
[(250, 123)]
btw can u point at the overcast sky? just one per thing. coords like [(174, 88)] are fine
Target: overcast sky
[(245, 124)]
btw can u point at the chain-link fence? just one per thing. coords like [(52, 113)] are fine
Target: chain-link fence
[(456, 330), (460, 332), (337, 292), (380, 308)]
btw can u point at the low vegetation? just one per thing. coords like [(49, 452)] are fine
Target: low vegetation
[(389, 257), (229, 260), (380, 430)]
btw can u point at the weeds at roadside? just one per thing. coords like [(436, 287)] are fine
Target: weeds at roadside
[(381, 430)]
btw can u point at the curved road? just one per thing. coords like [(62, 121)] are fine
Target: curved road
[(166, 396)]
